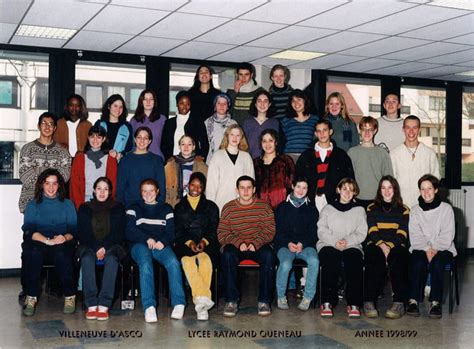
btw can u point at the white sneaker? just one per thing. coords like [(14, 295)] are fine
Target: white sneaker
[(203, 303), (150, 315), (178, 312), (203, 315)]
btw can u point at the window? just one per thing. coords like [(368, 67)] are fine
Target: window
[(94, 97), (467, 152), (23, 97), (429, 105)]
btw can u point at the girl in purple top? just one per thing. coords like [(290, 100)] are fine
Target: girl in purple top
[(147, 114)]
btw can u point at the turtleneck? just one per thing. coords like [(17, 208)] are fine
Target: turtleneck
[(344, 207), (426, 206), (193, 201)]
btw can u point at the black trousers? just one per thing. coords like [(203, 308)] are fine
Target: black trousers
[(376, 268), (334, 263)]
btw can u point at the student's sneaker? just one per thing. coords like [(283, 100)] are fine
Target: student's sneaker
[(203, 303), (102, 313), (435, 310), (326, 310), (231, 309), (30, 306), (150, 315), (282, 303), (178, 312), (353, 311), (69, 305), (304, 304), (91, 313), (413, 309), (370, 311), (396, 311), (264, 309), (300, 293)]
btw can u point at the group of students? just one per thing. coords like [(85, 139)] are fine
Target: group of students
[(281, 185)]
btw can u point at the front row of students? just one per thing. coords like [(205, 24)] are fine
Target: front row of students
[(342, 241)]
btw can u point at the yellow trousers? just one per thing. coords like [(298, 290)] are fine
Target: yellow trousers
[(198, 271)]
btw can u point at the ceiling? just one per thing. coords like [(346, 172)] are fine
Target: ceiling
[(412, 38)]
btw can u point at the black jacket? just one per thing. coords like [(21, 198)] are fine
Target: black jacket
[(339, 167)]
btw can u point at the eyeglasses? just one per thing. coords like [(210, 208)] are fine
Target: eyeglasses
[(46, 123), (371, 130)]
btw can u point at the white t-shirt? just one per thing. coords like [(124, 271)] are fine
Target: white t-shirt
[(72, 126)]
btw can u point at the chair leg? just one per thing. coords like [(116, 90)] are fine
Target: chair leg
[(456, 285), (451, 286), (216, 288)]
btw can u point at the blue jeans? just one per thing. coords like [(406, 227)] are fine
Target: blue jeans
[(109, 275), (143, 256), (286, 258)]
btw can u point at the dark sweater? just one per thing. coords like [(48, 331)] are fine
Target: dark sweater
[(296, 225), (119, 135), (280, 98), (389, 225), (50, 217), (86, 235), (202, 104), (150, 221), (339, 167)]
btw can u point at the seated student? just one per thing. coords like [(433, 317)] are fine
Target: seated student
[(196, 245), (101, 231), (387, 249), (431, 237), (49, 228), (150, 229), (246, 229), (296, 235), (342, 227)]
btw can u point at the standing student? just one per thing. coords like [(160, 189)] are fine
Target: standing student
[(227, 165), (345, 130), (196, 244), (203, 93), (432, 229), (245, 87), (259, 119), (342, 227), (390, 134), (150, 230), (114, 121), (280, 89), (91, 164), (147, 114), (72, 128), (411, 160), (137, 166), (370, 162)]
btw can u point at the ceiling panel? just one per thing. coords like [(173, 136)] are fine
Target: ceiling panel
[(97, 41), (426, 51), (404, 68), (454, 77), (355, 13), (29, 41), (339, 41), (327, 62), (221, 8), (61, 14), (410, 19), (244, 53), (281, 11), (440, 71), (198, 50), (111, 20), (291, 36), (184, 26), (452, 58), (6, 31), (384, 46), (270, 62), (11, 11), (463, 39), (165, 5), (146, 45), (239, 32), (444, 30), (368, 64)]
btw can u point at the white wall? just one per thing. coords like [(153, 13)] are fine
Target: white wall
[(470, 216), (11, 220)]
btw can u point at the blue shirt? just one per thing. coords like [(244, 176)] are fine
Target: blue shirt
[(299, 135)]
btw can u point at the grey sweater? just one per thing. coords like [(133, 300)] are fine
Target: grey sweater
[(433, 228), (335, 225)]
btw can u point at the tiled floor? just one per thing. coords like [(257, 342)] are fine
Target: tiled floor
[(49, 328)]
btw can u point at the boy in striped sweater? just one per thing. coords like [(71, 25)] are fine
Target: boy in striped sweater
[(246, 228)]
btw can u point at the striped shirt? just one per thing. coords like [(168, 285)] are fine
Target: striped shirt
[(280, 98), (249, 224), (298, 135), (387, 225)]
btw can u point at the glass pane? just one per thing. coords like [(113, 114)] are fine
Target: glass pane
[(468, 136), (112, 90), (22, 75), (94, 97), (430, 106), (134, 94)]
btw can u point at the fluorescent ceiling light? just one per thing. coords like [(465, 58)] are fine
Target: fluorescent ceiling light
[(466, 73), (460, 4), (45, 32), (297, 55)]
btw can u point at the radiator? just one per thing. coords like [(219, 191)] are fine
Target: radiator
[(457, 198)]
